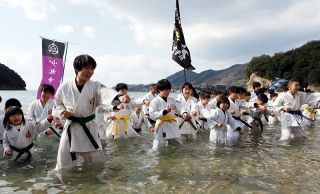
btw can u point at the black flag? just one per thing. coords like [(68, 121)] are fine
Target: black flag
[(180, 51)]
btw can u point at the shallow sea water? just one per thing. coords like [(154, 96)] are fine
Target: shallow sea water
[(261, 164)]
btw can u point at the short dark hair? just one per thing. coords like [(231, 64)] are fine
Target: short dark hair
[(273, 95), (83, 61), (163, 85), (233, 89), (293, 80), (186, 84), (242, 90), (0, 99), (223, 99), (12, 102), (48, 88), (204, 95), (247, 94), (121, 86), (256, 84), (263, 97), (12, 110), (216, 92), (261, 91)]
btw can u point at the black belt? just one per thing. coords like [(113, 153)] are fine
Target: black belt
[(242, 121), (22, 151), (82, 121), (55, 132), (299, 113), (138, 130), (260, 122), (191, 123)]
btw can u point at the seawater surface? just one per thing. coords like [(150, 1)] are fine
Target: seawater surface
[(261, 164)]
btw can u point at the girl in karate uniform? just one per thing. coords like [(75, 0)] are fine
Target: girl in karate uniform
[(19, 134), (219, 120), (8, 103), (162, 109), (188, 127)]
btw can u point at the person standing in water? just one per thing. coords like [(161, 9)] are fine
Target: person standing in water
[(76, 101)]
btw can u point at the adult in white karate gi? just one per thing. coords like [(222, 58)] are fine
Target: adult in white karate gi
[(288, 104), (77, 101)]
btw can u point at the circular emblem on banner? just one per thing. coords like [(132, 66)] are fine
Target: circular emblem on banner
[(53, 49)]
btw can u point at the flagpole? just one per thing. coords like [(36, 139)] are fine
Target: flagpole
[(185, 76), (64, 61)]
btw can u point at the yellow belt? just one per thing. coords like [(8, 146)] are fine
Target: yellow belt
[(311, 111), (164, 119), (125, 121)]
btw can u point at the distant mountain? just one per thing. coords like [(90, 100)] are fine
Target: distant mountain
[(234, 75), (10, 80)]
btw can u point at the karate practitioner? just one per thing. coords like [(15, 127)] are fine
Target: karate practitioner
[(219, 120), (39, 109), (163, 109), (201, 111), (19, 134), (138, 120), (187, 125), (152, 94), (288, 104), (76, 101)]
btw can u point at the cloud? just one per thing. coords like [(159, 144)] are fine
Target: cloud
[(133, 69), (64, 29), (25, 64), (218, 30), (33, 9), (89, 31)]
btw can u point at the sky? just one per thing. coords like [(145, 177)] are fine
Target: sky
[(131, 39)]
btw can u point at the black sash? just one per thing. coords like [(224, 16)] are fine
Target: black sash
[(138, 130), (82, 121), (55, 132), (259, 121), (22, 151), (299, 113), (242, 121)]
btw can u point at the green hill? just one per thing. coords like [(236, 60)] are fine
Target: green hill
[(10, 80), (302, 63)]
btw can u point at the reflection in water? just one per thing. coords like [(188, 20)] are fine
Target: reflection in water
[(260, 164)]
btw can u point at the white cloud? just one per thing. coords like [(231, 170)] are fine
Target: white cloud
[(133, 69), (33, 9), (64, 29), (89, 31)]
